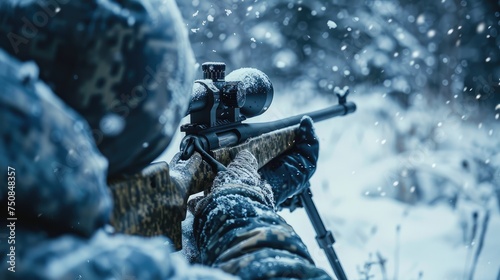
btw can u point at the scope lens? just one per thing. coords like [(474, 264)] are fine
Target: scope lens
[(258, 90)]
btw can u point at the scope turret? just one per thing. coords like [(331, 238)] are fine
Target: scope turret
[(218, 99)]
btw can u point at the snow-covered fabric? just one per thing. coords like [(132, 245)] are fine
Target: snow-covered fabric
[(104, 256), (60, 177), (61, 196), (237, 229), (126, 66), (63, 202)]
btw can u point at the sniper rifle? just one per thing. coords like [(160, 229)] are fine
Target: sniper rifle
[(154, 201)]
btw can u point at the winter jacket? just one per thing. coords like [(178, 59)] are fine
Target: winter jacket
[(59, 223)]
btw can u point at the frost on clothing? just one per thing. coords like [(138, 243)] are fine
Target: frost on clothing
[(44, 130), (238, 230), (103, 256), (52, 150), (120, 64), (61, 194)]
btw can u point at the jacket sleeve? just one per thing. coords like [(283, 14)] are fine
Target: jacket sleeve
[(237, 229), (103, 256), (61, 196)]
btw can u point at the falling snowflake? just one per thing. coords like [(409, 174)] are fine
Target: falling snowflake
[(331, 24)]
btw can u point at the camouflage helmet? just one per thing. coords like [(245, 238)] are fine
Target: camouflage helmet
[(54, 175), (125, 65)]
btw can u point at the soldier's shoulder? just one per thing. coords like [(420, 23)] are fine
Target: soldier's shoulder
[(51, 148)]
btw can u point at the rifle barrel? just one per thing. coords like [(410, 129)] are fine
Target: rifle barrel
[(251, 130), (333, 111)]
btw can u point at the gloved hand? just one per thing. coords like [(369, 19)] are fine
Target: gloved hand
[(237, 229), (289, 173), (241, 175)]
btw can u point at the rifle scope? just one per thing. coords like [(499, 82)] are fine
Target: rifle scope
[(244, 93)]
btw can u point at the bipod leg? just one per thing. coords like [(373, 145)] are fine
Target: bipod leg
[(324, 237)]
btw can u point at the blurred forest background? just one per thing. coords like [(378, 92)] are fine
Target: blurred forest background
[(437, 48), (426, 78)]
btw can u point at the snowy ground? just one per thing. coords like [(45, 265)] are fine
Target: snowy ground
[(377, 236), (429, 243)]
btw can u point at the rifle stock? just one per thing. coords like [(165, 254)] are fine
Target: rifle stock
[(154, 201)]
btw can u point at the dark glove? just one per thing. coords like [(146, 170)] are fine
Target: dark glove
[(289, 173), (236, 228)]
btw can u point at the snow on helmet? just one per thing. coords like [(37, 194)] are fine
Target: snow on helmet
[(53, 170), (125, 65)]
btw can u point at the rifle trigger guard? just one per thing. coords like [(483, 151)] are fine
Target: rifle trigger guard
[(193, 144), (188, 148)]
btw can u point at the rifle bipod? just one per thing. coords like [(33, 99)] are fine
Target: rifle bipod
[(324, 237)]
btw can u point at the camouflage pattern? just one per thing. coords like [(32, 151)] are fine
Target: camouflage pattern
[(104, 256), (62, 200), (153, 202), (249, 239), (142, 206), (264, 147), (49, 145), (110, 61), (126, 66), (62, 203)]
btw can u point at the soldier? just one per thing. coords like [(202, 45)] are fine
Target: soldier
[(126, 67)]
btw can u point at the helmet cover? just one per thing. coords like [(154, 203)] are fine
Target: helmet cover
[(125, 65)]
